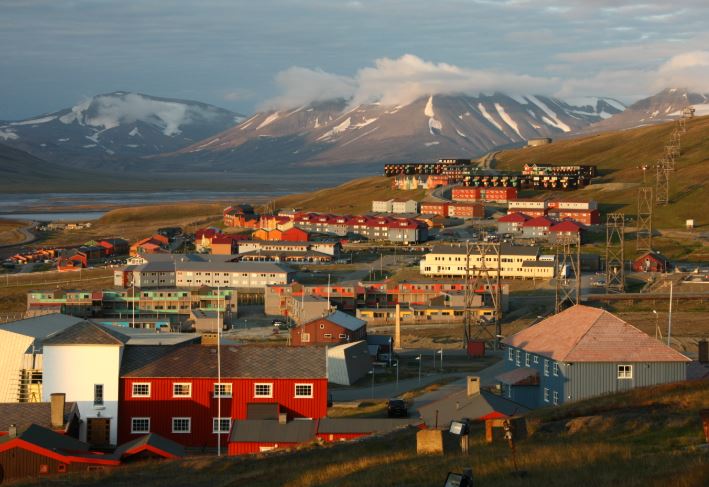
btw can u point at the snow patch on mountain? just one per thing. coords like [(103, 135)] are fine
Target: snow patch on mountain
[(8, 135), (460, 133), (555, 122), (135, 132), (365, 122), (338, 129), (508, 120), (488, 117), (268, 120), (434, 126), (519, 99), (35, 121)]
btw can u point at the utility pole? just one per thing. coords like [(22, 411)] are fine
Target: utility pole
[(568, 262), (615, 243), (488, 277), (643, 242)]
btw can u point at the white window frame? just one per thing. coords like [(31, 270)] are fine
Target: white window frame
[(270, 389), (303, 384), (139, 432), (133, 393), (536, 359), (625, 371), (228, 390), (180, 418), (555, 369), (511, 354), (518, 358), (546, 368), (555, 397), (526, 359), (189, 387), (305, 337), (342, 335), (215, 423), (546, 394)]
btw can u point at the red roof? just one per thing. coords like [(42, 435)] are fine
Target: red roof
[(566, 226), (540, 221), (222, 239), (514, 218), (585, 334)]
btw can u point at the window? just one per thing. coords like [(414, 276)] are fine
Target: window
[(221, 425), (526, 359), (536, 359), (141, 389), (263, 390), (342, 335), (305, 337), (510, 354), (327, 335), (181, 389), (303, 390), (546, 394), (322, 326), (625, 371), (181, 425), (518, 354), (555, 397), (555, 369), (140, 425), (98, 394), (222, 390), (546, 367)]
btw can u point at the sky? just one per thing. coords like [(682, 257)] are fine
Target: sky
[(252, 55)]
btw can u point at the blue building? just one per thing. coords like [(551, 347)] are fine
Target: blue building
[(584, 352)]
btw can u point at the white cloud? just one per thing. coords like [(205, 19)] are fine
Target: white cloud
[(399, 82)]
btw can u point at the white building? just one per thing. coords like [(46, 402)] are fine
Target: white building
[(382, 206), (21, 355), (83, 361), (404, 206)]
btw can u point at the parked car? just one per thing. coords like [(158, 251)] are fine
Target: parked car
[(278, 323), (396, 408)]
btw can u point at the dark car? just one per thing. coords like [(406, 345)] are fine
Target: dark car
[(396, 408)]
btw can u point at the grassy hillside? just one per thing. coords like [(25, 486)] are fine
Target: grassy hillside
[(619, 155), (352, 197), (645, 438)]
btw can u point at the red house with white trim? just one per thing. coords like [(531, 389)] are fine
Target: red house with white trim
[(175, 391)]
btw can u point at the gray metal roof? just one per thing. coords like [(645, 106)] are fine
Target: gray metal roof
[(459, 405), (87, 333), (264, 267), (363, 425), (24, 414), (237, 362), (271, 431), (151, 440), (505, 249), (344, 320), (41, 326)]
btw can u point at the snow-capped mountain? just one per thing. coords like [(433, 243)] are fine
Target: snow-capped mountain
[(662, 107), (437, 126), (117, 126)]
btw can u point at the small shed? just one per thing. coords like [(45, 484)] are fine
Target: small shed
[(256, 435), (651, 262), (348, 363)]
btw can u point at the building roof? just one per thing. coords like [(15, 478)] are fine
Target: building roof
[(344, 320), (363, 425), (540, 221), (566, 226), (24, 414), (87, 333), (513, 218), (523, 376), (41, 326), (586, 334), (271, 431), (237, 362), (505, 249), (49, 440), (651, 253), (153, 442), (459, 405), (538, 263)]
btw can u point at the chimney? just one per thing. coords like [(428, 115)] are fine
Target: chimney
[(282, 418), (397, 328), (12, 431), (57, 401), (473, 385)]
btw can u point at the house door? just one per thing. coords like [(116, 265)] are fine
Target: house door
[(98, 431)]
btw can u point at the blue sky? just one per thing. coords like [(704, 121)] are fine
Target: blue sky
[(246, 55)]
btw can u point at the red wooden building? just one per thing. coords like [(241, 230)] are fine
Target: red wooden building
[(651, 262), (175, 392), (337, 327)]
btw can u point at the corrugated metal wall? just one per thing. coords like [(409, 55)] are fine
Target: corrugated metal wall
[(12, 356), (595, 379)]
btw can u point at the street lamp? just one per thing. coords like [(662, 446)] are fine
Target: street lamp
[(657, 323), (441, 352), (372, 382), (396, 364), (419, 359)]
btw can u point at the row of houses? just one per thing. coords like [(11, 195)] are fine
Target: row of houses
[(195, 270), (584, 212), (376, 228), (395, 205), (375, 302), (453, 210), (177, 309), (514, 261), (538, 228), (472, 193)]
